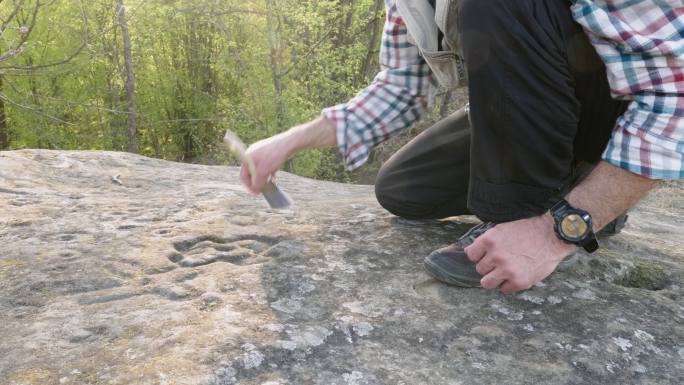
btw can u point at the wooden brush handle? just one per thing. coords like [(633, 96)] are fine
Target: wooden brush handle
[(238, 148)]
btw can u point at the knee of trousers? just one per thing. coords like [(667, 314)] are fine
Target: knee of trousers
[(389, 196), (385, 194)]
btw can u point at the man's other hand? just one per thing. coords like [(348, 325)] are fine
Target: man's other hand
[(270, 154), (516, 255)]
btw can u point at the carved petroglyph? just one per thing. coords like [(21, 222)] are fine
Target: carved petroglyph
[(208, 249)]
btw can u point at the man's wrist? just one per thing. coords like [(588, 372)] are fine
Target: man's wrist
[(595, 220), (607, 192), (548, 223)]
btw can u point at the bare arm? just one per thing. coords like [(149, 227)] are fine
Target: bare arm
[(516, 255), (608, 192), (269, 154), (398, 95), (317, 133)]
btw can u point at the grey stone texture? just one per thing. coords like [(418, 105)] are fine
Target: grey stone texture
[(120, 269)]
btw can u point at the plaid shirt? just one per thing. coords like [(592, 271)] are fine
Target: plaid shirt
[(396, 99), (640, 41), (642, 44)]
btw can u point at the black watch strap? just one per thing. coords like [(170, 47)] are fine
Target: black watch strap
[(591, 243)]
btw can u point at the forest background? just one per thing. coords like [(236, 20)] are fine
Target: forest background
[(165, 78)]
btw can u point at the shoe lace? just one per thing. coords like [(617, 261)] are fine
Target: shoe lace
[(470, 236)]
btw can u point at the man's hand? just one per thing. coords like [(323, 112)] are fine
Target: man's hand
[(516, 255), (271, 153), (268, 156)]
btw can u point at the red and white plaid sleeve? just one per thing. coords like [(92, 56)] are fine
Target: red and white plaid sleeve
[(396, 98), (642, 45)]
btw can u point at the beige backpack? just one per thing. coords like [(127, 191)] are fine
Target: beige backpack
[(423, 24)]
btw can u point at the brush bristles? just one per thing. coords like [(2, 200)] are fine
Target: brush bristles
[(275, 197)]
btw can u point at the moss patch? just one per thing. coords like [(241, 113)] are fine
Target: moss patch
[(644, 276)]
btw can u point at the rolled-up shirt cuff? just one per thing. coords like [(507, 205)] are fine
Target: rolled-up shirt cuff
[(354, 150), (649, 154)]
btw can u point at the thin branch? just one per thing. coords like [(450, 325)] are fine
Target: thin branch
[(11, 16), (307, 54), (239, 10), (24, 31), (37, 111), (66, 60), (75, 53)]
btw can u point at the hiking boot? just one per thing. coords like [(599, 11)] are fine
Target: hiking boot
[(451, 264)]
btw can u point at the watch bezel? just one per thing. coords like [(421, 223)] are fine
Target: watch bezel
[(562, 210), (582, 215)]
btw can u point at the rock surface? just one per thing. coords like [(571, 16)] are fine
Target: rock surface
[(119, 269)]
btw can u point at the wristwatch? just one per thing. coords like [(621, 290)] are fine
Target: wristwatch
[(574, 226)]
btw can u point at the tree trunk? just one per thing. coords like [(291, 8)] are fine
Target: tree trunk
[(274, 54), (130, 79), (346, 21), (4, 135), (373, 30)]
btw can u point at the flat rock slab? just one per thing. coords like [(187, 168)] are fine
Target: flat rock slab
[(119, 269)]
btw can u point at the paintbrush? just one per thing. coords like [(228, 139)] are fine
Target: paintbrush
[(275, 197)]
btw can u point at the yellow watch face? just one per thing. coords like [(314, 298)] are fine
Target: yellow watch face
[(574, 226)]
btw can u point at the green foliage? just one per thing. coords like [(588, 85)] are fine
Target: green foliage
[(201, 66)]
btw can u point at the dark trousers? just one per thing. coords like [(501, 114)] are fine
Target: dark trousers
[(540, 111)]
